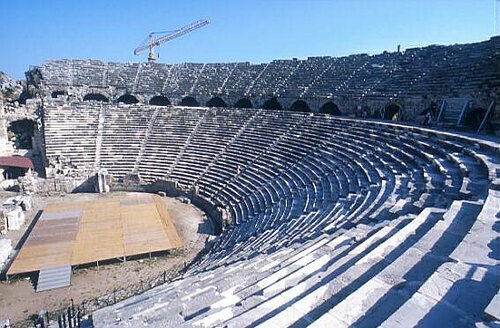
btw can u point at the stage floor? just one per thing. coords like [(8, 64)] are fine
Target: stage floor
[(86, 232)]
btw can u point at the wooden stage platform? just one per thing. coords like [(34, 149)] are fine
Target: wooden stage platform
[(87, 232)]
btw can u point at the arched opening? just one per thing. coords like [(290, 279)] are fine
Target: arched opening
[(392, 112), (432, 110), (127, 99), (429, 114), (189, 101), (159, 101), (243, 103), (370, 112), (21, 132), (300, 106), (13, 172), (216, 102), (273, 104), (95, 97), (58, 93), (473, 118), (330, 108)]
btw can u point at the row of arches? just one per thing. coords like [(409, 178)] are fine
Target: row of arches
[(95, 97), (392, 111), (272, 104)]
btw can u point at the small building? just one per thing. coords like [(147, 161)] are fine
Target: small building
[(12, 167)]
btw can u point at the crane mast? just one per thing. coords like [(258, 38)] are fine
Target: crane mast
[(152, 43)]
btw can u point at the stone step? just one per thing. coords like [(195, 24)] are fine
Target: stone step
[(52, 278)]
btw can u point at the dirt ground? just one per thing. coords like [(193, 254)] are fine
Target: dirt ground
[(18, 299)]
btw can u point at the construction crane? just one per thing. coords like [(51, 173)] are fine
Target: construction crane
[(170, 36)]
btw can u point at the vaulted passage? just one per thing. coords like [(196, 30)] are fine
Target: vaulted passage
[(56, 94), (432, 110), (300, 106), (189, 101), (159, 101), (127, 99), (473, 118), (21, 132), (392, 112), (272, 103), (13, 172), (95, 97), (216, 102), (243, 103), (330, 108)]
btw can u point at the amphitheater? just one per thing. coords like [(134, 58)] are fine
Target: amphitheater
[(330, 214)]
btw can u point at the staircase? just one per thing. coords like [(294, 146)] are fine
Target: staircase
[(285, 80), (167, 78), (136, 79), (52, 278), (453, 111), (70, 73), (196, 79), (98, 140), (247, 92), (495, 117), (186, 144), (285, 135), (226, 79), (144, 141), (233, 139), (316, 79), (105, 73)]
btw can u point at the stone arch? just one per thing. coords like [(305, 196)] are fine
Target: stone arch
[(160, 101), (330, 108), (58, 93), (371, 112), (189, 101), (13, 172), (95, 97), (300, 106), (22, 132), (243, 103), (473, 118), (216, 102), (127, 99), (432, 110), (272, 104), (393, 112)]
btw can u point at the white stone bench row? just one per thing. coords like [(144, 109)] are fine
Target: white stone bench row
[(337, 179)]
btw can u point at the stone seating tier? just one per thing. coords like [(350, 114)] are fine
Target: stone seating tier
[(334, 220)]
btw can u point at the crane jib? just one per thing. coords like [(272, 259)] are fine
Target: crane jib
[(182, 31)]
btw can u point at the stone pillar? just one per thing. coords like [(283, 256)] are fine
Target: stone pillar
[(5, 150), (101, 185)]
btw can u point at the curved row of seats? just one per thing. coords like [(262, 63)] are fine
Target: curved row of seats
[(438, 70), (335, 222)]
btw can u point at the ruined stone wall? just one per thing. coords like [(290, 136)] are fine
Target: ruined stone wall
[(413, 79), (348, 105)]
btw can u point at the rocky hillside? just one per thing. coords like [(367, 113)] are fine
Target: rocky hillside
[(10, 89)]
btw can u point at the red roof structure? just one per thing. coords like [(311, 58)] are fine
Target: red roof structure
[(16, 161)]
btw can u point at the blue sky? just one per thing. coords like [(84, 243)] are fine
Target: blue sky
[(241, 30)]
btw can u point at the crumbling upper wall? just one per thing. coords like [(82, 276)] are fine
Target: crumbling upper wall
[(413, 78)]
